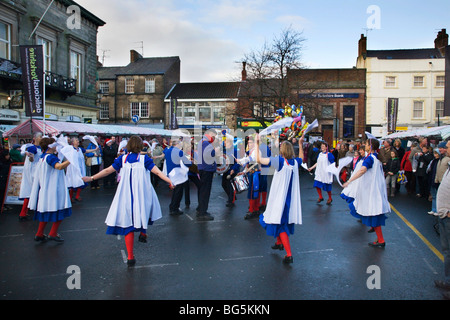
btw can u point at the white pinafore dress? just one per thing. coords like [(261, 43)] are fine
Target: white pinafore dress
[(49, 195), (278, 196), (135, 203), (29, 169)]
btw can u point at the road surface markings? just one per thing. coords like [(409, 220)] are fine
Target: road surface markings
[(240, 258), (430, 246)]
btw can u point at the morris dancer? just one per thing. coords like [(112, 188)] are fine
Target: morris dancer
[(323, 179), (49, 195), (366, 194), (135, 204), (33, 154), (284, 206), (74, 182)]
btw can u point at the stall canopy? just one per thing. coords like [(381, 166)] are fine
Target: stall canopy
[(55, 128), (443, 132)]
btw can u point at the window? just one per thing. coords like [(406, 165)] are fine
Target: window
[(150, 85), (204, 114), (104, 111), (75, 68), (129, 85), (104, 87), (440, 81), (418, 110), (439, 109), (47, 45), (327, 112), (5, 41), (390, 82), (140, 109), (219, 114), (418, 81)]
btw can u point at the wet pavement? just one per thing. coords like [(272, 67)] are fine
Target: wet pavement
[(228, 258)]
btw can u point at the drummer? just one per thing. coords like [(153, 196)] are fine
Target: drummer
[(231, 150)]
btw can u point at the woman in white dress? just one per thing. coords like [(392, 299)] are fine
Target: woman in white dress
[(49, 196), (32, 153), (283, 208), (135, 204), (366, 194), (77, 170), (323, 179)]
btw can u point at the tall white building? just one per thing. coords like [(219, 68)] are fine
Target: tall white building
[(415, 76)]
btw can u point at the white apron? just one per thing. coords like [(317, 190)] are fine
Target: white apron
[(76, 170), (145, 206), (278, 195), (29, 169), (352, 188), (371, 195), (49, 192), (322, 174)]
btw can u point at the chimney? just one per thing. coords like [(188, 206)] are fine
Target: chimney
[(441, 41), (134, 56), (244, 71), (362, 46)]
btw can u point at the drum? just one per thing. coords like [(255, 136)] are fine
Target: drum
[(240, 183), (223, 164)]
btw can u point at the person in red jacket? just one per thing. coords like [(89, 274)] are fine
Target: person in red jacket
[(410, 177)]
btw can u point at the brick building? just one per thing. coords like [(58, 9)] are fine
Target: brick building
[(137, 89), (336, 97)]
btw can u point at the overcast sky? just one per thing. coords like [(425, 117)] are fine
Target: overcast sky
[(211, 37)]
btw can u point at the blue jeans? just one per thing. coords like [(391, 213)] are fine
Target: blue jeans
[(444, 231), (433, 192)]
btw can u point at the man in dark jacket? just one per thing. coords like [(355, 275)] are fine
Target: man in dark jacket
[(206, 166), (109, 155)]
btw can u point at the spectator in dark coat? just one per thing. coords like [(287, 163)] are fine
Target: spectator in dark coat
[(5, 164)]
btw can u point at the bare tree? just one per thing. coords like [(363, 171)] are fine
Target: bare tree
[(266, 87)]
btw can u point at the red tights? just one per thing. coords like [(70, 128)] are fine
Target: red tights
[(129, 242), (379, 234), (283, 238), (319, 191), (24, 211), (53, 231)]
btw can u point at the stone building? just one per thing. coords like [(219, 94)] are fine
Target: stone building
[(137, 90), (68, 34), (416, 77)]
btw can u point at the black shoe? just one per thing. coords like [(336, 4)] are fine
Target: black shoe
[(376, 244), (24, 218), (205, 217), (131, 262), (288, 259), (40, 239), (329, 201), (371, 230), (442, 284), (320, 200), (230, 204), (142, 238), (57, 238), (277, 246), (176, 213), (251, 215)]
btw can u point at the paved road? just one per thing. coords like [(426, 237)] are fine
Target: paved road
[(226, 259)]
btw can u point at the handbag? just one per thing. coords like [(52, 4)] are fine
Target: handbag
[(88, 161)]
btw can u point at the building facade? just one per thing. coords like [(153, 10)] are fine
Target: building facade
[(416, 77), (204, 104), (136, 92), (68, 34), (335, 97)]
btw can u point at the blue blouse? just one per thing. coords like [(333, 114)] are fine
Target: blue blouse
[(132, 158)]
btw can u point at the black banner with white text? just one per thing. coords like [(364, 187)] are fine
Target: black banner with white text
[(33, 80)]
